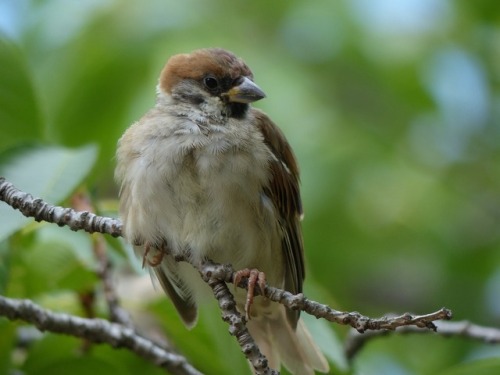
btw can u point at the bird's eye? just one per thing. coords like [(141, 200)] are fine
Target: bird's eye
[(210, 82)]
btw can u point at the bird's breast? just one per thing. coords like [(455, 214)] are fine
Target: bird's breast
[(222, 212), (204, 193)]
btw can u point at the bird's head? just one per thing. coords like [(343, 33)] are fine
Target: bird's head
[(210, 78)]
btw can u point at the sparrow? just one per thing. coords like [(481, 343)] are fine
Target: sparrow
[(204, 175)]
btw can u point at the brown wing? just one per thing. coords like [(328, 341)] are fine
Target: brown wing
[(172, 285), (187, 309), (285, 194)]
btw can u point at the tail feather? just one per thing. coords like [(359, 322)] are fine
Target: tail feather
[(259, 330), (313, 354), (279, 342)]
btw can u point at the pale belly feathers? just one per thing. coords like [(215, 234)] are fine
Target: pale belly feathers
[(206, 200)]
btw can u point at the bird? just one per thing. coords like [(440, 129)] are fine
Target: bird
[(205, 175)]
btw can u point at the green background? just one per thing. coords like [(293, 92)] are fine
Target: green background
[(392, 107)]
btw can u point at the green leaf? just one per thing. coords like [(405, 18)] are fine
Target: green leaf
[(480, 367), (7, 342), (55, 354), (58, 354), (48, 172), (20, 118), (55, 259), (4, 266), (209, 346), (82, 366), (326, 339), (49, 349), (131, 362)]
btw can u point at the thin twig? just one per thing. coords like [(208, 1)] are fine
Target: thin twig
[(489, 335), (227, 305), (81, 202), (237, 327), (97, 331), (42, 211), (298, 302)]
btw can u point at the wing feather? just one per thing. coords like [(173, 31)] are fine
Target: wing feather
[(172, 285), (284, 192)]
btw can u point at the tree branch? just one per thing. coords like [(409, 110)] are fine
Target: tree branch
[(42, 211), (359, 322), (217, 275), (91, 223), (488, 335), (97, 331), (237, 327)]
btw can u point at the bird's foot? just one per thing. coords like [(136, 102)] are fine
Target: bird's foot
[(255, 277)]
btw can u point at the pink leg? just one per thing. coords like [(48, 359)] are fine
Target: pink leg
[(255, 277)]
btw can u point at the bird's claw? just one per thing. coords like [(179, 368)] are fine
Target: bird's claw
[(255, 277)]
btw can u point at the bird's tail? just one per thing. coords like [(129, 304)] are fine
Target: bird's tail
[(280, 343)]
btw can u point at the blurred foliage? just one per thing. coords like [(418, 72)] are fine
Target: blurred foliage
[(393, 109)]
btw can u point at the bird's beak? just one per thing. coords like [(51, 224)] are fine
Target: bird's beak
[(245, 92)]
